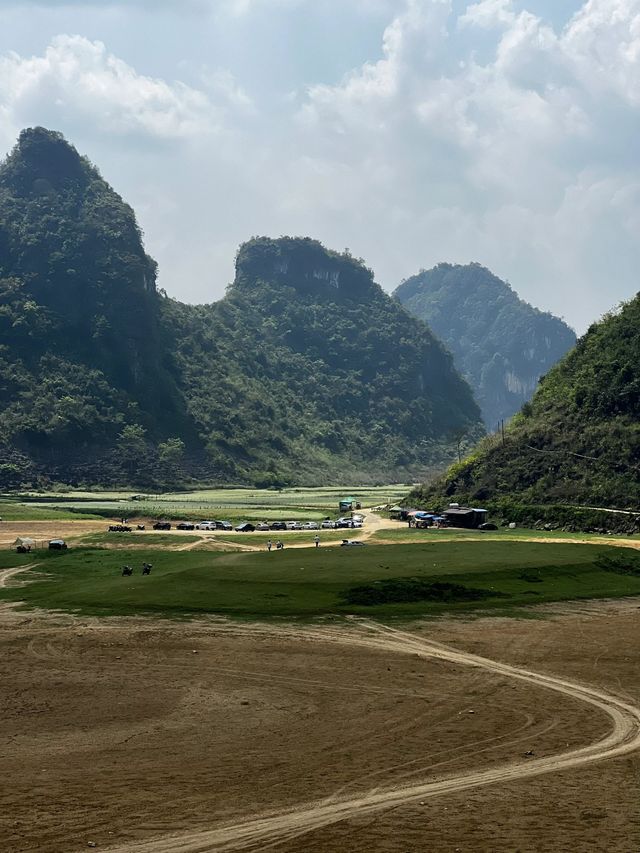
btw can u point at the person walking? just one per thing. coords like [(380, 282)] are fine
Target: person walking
[(316, 539), (269, 545)]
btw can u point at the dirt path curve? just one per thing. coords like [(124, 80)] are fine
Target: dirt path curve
[(262, 831), (7, 574)]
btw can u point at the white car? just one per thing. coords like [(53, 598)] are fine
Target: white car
[(262, 526), (206, 525), (310, 525), (328, 525), (293, 525)]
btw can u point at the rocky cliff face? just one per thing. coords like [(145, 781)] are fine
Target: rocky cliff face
[(501, 344)]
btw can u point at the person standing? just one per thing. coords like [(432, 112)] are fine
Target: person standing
[(269, 545), (316, 539)]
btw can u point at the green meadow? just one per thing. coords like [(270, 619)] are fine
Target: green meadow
[(447, 577)]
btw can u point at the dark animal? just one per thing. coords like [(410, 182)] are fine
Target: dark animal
[(146, 568), (127, 571)]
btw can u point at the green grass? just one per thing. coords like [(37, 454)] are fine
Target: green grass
[(125, 540), (232, 504), (10, 511), (305, 584), (406, 535)]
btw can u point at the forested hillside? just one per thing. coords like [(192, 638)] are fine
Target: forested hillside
[(577, 441), (81, 350), (501, 344), (308, 366), (305, 372)]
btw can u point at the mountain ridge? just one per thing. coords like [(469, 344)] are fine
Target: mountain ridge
[(304, 370), (500, 343)]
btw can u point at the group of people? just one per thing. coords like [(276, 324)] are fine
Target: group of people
[(280, 544)]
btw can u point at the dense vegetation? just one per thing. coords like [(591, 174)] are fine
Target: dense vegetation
[(309, 367), (577, 441), (305, 371), (501, 344)]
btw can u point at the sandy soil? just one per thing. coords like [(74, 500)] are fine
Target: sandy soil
[(125, 732), (42, 531)]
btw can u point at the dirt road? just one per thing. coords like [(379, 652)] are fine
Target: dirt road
[(268, 830), (7, 574)]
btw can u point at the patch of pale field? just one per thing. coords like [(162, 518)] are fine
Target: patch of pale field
[(126, 730), (43, 531)]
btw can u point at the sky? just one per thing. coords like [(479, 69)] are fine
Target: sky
[(409, 131)]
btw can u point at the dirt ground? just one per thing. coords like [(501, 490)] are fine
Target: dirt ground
[(120, 731)]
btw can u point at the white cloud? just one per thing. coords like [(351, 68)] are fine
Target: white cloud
[(78, 82), (488, 14), (480, 135)]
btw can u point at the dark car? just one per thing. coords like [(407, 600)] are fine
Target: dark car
[(162, 525), (120, 528), (185, 525), (278, 525), (246, 527), (224, 525), (488, 525), (57, 545)]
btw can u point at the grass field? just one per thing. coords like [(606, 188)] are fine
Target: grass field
[(315, 583), (405, 535), (234, 505)]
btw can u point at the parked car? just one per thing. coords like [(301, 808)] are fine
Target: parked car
[(262, 526), (327, 524), (293, 525), (120, 528), (206, 525), (224, 525), (245, 527), (310, 525), (277, 525), (344, 522), (357, 517), (488, 525), (57, 545), (185, 525), (347, 543), (162, 525), (355, 523)]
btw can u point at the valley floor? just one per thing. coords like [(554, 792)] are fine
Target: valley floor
[(124, 732)]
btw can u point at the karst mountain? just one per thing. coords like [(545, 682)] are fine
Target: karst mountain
[(306, 371)]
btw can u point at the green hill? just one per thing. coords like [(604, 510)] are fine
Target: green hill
[(306, 371), (500, 344), (81, 350), (577, 441)]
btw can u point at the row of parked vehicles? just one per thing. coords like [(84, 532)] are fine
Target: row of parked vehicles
[(350, 522)]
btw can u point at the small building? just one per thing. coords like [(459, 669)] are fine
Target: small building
[(23, 544), (349, 504), (464, 516)]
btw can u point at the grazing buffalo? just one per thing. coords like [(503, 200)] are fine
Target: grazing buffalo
[(126, 571), (146, 568)]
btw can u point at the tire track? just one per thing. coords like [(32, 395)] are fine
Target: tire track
[(268, 829), (7, 574)]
